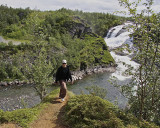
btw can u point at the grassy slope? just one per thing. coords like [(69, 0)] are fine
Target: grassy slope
[(81, 111), (23, 117), (57, 32)]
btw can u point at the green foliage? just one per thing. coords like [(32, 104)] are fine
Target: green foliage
[(14, 31), (97, 91), (91, 57), (61, 36), (9, 70), (10, 16), (99, 22), (144, 100), (88, 111), (1, 116), (39, 70), (24, 117)]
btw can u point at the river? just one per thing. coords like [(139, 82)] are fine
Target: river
[(117, 36), (12, 98)]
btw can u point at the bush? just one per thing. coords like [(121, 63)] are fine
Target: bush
[(145, 124), (131, 126), (22, 116), (97, 91), (88, 111), (1, 116)]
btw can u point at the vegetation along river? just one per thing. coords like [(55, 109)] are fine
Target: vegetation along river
[(15, 97)]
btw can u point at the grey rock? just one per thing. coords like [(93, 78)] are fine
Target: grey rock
[(4, 84)]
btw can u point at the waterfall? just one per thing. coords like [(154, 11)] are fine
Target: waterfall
[(117, 37), (11, 98)]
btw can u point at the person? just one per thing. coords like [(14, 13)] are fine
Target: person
[(63, 74)]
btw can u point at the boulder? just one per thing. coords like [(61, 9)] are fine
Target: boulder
[(3, 84)]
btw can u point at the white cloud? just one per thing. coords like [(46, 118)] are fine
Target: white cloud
[(85, 5)]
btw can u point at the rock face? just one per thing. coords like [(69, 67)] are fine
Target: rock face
[(121, 31), (3, 84), (110, 33), (77, 29)]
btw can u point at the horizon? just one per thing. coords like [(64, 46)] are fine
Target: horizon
[(99, 6)]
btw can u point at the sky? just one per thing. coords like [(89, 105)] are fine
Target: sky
[(106, 6)]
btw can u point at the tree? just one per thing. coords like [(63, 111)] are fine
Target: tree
[(41, 70), (145, 99), (38, 71)]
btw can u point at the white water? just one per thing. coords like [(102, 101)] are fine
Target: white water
[(11, 97), (114, 42)]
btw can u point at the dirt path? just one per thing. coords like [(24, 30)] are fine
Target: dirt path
[(9, 40), (50, 117)]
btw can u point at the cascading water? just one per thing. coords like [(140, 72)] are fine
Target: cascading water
[(12, 98), (117, 37)]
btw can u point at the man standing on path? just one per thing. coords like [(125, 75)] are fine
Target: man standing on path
[(63, 74)]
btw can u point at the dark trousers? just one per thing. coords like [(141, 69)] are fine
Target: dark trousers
[(63, 89)]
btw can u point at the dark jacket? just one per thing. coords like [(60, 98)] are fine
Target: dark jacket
[(63, 74)]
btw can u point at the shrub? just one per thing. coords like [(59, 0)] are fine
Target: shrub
[(22, 117), (145, 124), (88, 111), (97, 91), (131, 126), (1, 116)]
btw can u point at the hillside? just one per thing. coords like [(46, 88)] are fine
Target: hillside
[(47, 37), (73, 35)]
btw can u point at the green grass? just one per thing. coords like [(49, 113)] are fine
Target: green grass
[(89, 111), (23, 117)]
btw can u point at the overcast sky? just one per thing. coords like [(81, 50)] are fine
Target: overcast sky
[(109, 6)]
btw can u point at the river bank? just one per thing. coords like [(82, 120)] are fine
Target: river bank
[(76, 75)]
